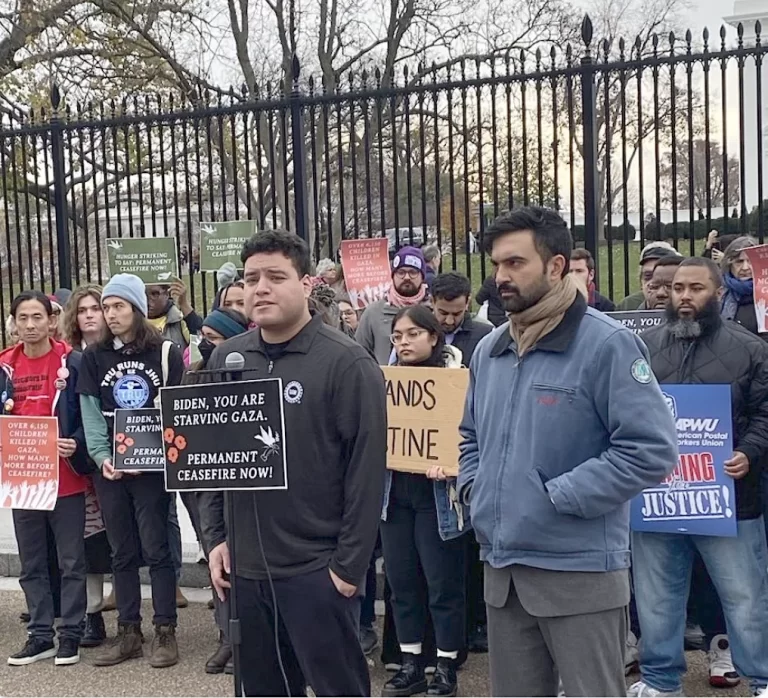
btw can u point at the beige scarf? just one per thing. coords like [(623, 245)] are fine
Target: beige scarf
[(529, 326)]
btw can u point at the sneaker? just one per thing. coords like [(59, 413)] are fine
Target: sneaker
[(69, 652), (165, 651), (631, 655), (409, 681), (721, 671), (642, 689), (124, 646), (369, 641), (34, 650), (760, 692), (392, 666), (95, 632)]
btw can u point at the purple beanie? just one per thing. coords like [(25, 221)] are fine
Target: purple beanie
[(409, 257)]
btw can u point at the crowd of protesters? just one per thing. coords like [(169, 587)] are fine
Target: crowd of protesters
[(526, 554)]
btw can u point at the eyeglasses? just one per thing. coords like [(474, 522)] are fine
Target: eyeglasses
[(657, 287), (408, 273), (411, 335), (348, 313)]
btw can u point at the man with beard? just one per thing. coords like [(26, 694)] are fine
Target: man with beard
[(408, 288), (697, 346), (552, 452)]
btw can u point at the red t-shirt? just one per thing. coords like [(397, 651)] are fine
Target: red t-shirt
[(33, 395)]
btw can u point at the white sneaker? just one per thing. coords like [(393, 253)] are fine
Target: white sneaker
[(641, 689), (631, 655), (721, 671)]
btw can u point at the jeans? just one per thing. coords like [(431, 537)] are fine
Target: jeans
[(174, 536), (135, 511), (704, 607), (67, 521), (662, 564)]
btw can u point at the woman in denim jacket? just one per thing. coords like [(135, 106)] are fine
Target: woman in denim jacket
[(421, 525)]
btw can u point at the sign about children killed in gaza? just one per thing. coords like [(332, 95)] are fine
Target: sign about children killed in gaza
[(638, 321), (153, 260), (138, 442), (224, 436), (424, 409), (697, 497)]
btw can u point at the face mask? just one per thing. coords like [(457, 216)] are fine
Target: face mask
[(206, 347)]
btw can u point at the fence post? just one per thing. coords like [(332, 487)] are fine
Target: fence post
[(299, 160), (589, 123), (59, 193)]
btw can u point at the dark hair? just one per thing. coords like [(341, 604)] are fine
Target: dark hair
[(38, 296), (422, 317), (586, 255), (705, 263), (550, 232), (430, 252), (669, 261), (450, 286), (289, 244), (146, 337)]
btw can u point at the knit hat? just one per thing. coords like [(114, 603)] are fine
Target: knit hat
[(657, 250), (130, 288), (227, 274), (409, 257), (62, 296), (224, 322)]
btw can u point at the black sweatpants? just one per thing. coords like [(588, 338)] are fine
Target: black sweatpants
[(67, 521), (318, 631), (135, 510), (412, 543)]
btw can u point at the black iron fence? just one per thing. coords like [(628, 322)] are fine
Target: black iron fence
[(658, 138)]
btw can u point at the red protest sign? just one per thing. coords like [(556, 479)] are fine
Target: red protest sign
[(29, 464), (758, 258), (367, 273)]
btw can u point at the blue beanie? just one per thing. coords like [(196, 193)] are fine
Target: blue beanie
[(411, 257), (130, 288), (224, 324)]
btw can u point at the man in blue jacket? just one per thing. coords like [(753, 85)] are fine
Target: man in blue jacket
[(564, 424)]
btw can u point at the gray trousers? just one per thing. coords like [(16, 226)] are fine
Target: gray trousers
[(527, 652)]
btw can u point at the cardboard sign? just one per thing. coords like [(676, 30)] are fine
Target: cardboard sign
[(758, 258), (153, 260), (29, 474), (424, 410), (138, 442), (223, 242), (225, 436), (367, 272), (698, 498), (638, 321)]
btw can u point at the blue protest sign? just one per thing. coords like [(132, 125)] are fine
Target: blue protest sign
[(698, 497)]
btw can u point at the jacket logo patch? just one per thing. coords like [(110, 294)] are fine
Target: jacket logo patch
[(548, 400), (293, 392), (641, 371)]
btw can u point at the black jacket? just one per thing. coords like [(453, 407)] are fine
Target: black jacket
[(603, 304), (335, 441), (468, 336), (730, 354), (490, 292)]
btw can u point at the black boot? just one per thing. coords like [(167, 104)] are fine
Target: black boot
[(217, 664), (409, 681), (444, 682), (95, 633), (478, 642)]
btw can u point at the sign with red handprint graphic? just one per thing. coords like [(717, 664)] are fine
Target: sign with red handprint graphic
[(138, 442), (225, 436)]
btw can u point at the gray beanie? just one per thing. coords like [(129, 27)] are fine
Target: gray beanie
[(130, 288), (226, 274)]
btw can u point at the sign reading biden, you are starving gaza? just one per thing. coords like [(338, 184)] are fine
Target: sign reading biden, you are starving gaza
[(697, 497), (424, 410), (224, 436)]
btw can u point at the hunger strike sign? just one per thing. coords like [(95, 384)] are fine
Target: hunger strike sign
[(224, 436), (153, 260), (29, 476), (424, 409), (697, 497), (222, 242)]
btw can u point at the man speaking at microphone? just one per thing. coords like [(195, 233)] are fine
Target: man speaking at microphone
[(318, 535)]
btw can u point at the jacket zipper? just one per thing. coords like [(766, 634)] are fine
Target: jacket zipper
[(270, 367)]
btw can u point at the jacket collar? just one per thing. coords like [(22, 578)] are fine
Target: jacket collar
[(558, 340), (300, 344)]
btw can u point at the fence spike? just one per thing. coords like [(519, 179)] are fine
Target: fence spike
[(295, 67), (688, 40), (722, 36), (758, 31), (672, 41), (55, 97), (705, 36), (622, 45), (587, 31)]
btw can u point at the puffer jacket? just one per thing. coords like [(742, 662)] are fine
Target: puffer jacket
[(726, 354)]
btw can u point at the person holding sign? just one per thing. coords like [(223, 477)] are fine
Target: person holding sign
[(738, 300), (126, 371), (38, 379), (309, 544), (697, 346), (422, 522), (552, 452)]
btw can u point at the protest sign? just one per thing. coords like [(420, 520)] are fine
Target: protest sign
[(138, 442), (367, 273), (698, 497), (153, 260), (222, 242), (638, 321), (424, 409), (225, 436), (758, 258), (29, 474)]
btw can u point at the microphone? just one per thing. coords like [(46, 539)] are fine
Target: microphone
[(234, 365)]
